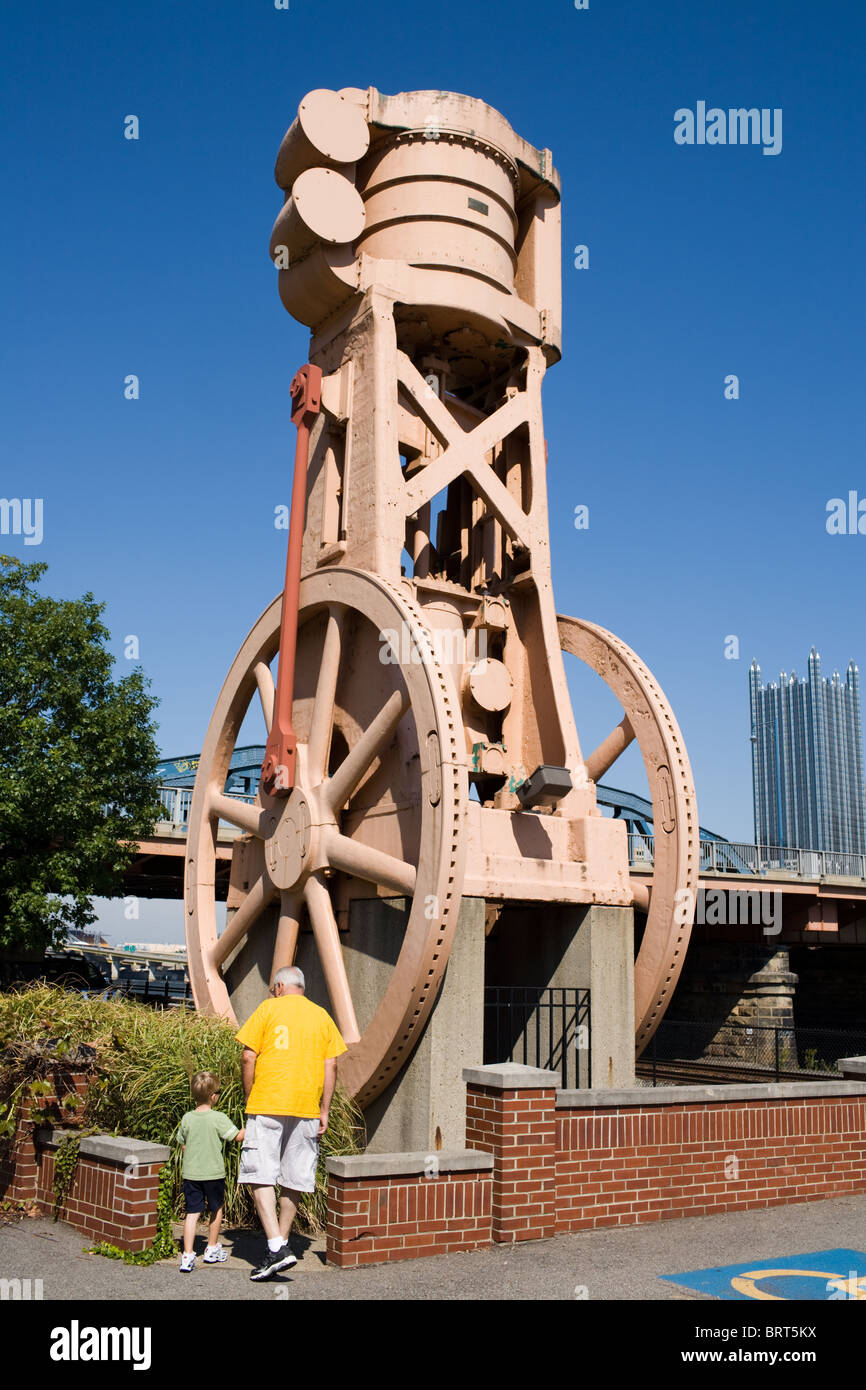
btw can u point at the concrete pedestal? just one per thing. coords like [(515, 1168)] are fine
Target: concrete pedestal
[(589, 947), (248, 971), (425, 1106), (532, 945)]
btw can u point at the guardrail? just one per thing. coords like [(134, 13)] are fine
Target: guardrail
[(162, 994), (731, 857)]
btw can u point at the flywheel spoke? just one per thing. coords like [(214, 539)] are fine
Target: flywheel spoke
[(643, 892), (261, 893), (371, 864), (267, 690), (605, 755), (287, 931), (327, 936), (239, 813), (366, 750), (326, 694)]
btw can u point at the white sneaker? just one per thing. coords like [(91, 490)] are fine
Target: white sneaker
[(187, 1263), (215, 1255)]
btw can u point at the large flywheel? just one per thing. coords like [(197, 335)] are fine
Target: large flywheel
[(376, 811), (649, 719)]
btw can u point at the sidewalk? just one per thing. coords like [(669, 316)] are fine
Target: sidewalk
[(614, 1263)]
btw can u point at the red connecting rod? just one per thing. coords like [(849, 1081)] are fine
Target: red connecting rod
[(278, 768)]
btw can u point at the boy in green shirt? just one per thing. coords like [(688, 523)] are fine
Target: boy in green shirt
[(202, 1133)]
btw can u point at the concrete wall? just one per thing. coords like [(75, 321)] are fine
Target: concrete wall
[(424, 1107)]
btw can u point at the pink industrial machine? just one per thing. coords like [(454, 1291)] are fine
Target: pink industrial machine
[(421, 743)]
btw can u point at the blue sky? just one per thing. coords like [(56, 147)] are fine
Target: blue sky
[(707, 516)]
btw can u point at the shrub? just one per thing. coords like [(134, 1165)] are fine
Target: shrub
[(144, 1060)]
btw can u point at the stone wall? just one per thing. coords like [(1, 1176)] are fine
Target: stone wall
[(735, 983)]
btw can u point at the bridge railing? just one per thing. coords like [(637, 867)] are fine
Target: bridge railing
[(176, 801), (717, 856), (732, 857)]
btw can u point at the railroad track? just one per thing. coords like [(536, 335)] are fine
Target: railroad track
[(691, 1073)]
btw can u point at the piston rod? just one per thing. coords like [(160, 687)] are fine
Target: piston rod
[(278, 767)]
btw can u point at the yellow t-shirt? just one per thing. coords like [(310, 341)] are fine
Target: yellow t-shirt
[(291, 1037)]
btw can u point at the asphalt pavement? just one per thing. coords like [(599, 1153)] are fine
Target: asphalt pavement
[(627, 1262)]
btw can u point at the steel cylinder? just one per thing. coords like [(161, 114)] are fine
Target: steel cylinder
[(328, 132), (324, 209), (443, 200)]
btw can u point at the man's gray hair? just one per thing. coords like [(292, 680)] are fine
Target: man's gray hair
[(290, 975)]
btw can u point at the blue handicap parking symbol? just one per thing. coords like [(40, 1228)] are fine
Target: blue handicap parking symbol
[(815, 1277)]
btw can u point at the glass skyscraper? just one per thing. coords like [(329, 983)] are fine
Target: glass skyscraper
[(807, 760)]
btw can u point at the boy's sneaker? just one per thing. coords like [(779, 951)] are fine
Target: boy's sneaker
[(187, 1263), (214, 1255), (274, 1261)]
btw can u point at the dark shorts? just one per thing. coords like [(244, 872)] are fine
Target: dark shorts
[(209, 1192)]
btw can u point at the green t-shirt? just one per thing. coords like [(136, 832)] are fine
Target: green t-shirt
[(204, 1132)]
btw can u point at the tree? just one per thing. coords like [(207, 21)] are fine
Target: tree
[(78, 758)]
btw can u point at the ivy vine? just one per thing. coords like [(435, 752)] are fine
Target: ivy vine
[(65, 1165), (163, 1247)]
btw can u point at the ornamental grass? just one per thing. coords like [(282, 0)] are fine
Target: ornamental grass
[(143, 1060)]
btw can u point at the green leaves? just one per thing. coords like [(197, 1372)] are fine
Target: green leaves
[(65, 1168), (78, 755)]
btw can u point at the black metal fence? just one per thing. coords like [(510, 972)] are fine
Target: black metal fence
[(162, 994), (547, 1028), (684, 1050)]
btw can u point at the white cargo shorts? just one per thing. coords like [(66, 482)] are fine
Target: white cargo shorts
[(280, 1149)]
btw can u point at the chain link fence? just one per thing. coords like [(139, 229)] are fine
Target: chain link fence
[(683, 1051)]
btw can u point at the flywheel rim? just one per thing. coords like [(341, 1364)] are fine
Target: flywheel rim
[(389, 1038), (676, 858)]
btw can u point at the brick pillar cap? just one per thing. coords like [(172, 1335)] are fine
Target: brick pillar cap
[(112, 1148), (853, 1067), (362, 1166), (511, 1076)]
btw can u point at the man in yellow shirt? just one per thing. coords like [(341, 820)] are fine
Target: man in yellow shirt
[(289, 1070)]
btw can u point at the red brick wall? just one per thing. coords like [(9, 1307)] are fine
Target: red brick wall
[(18, 1167), (519, 1128), (398, 1218), (577, 1168), (18, 1160), (105, 1202), (624, 1166)]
